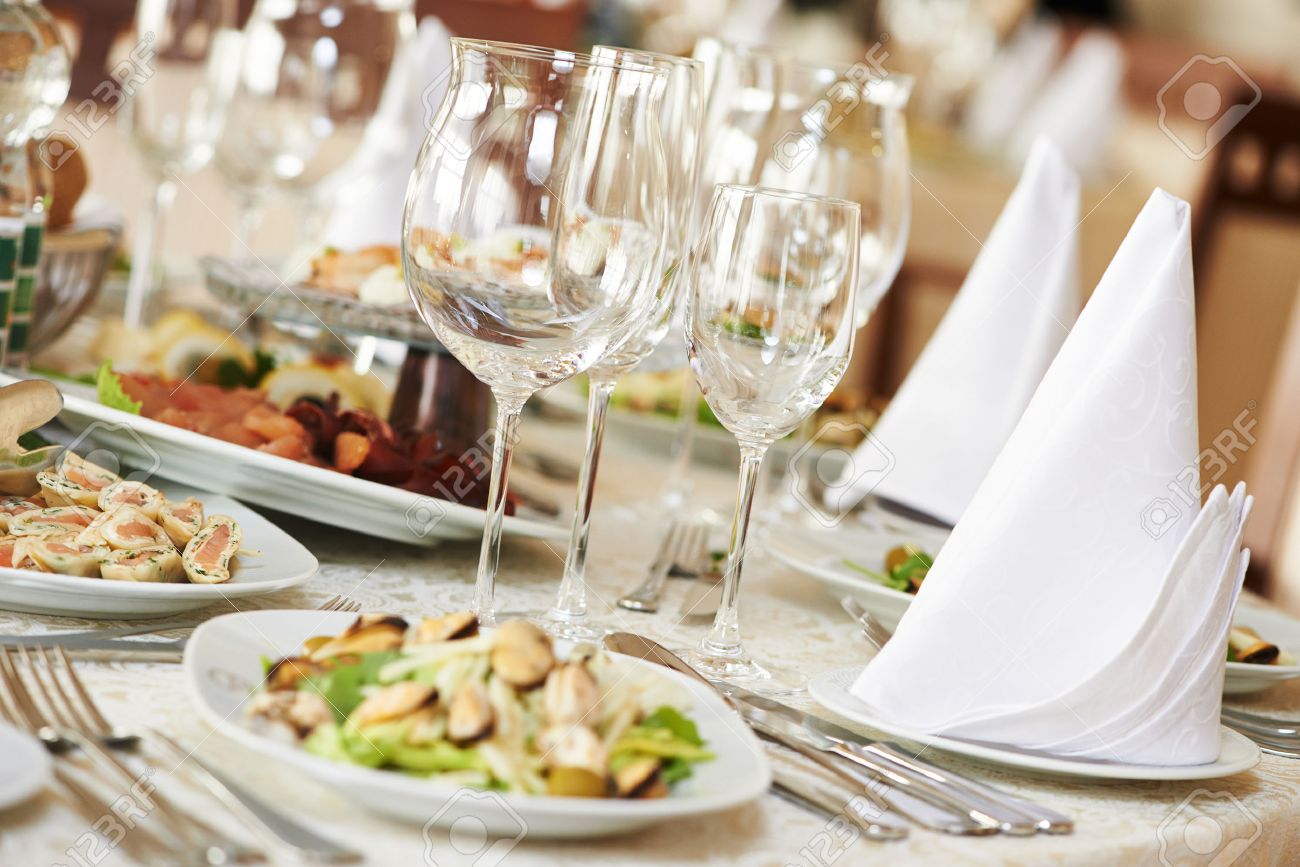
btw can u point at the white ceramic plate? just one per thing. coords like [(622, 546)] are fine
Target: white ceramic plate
[(223, 665), (24, 766), (283, 563), (278, 483), (821, 556), (1275, 628), (1237, 753)]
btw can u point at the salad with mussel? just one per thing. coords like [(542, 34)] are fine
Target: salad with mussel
[(499, 709)]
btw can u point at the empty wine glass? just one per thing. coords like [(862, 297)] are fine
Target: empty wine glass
[(680, 125), (312, 82), (770, 325), (177, 77), (779, 122), (534, 227)]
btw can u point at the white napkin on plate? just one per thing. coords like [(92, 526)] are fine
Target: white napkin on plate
[(1081, 605), (953, 413), (371, 210), (1080, 105)]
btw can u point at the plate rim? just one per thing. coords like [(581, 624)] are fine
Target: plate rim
[(780, 549), (12, 736), (825, 693), (324, 770)]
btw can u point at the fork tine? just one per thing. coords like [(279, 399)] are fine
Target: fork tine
[(331, 603), (87, 709), (16, 696), (353, 605)]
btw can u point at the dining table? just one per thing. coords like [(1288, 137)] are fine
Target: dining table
[(788, 618)]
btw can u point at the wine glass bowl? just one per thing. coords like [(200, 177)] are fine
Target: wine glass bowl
[(535, 225)]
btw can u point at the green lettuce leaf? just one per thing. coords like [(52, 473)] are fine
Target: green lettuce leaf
[(341, 686), (111, 394)]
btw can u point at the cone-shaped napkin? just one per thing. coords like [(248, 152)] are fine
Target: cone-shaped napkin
[(1082, 603), (964, 395), (372, 213)]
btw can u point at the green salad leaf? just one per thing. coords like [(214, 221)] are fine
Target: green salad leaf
[(111, 394), (231, 373), (341, 686)]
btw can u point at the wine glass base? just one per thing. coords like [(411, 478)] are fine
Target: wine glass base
[(744, 672)]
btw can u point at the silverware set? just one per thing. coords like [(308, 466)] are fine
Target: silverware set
[(922, 793), (1274, 736)]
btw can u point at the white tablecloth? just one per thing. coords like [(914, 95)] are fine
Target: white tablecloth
[(787, 618)]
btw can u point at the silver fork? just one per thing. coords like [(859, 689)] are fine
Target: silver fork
[(678, 543), (272, 827), (875, 631), (43, 706)]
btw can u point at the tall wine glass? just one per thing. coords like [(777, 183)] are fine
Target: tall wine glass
[(681, 115), (780, 122), (179, 66), (311, 89), (534, 227), (770, 327)]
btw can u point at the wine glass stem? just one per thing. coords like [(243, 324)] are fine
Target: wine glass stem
[(509, 407), (724, 637), (679, 473), (144, 259), (571, 603), (251, 207)]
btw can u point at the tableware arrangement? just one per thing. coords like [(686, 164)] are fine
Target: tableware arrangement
[(1135, 685), (985, 359), (223, 666), (769, 331), (528, 261)]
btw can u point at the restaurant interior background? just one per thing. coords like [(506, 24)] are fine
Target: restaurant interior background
[(1137, 92)]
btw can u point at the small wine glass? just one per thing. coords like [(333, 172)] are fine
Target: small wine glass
[(770, 325), (313, 82), (781, 122), (682, 114), (534, 227), (178, 84)]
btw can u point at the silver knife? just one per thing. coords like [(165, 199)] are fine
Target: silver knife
[(992, 800), (864, 771), (160, 651), (827, 806)]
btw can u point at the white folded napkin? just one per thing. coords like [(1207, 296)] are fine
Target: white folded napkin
[(1081, 605), (1080, 105), (953, 413), (370, 210)]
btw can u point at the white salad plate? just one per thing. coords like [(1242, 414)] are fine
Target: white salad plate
[(821, 555), (1237, 752), (278, 483), (1275, 628), (24, 766), (224, 665), (282, 562)]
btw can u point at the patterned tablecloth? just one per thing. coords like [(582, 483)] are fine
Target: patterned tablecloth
[(1250, 819)]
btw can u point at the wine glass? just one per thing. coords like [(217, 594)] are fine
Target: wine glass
[(780, 122), (680, 124), (311, 88), (770, 325), (534, 227), (177, 84)]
